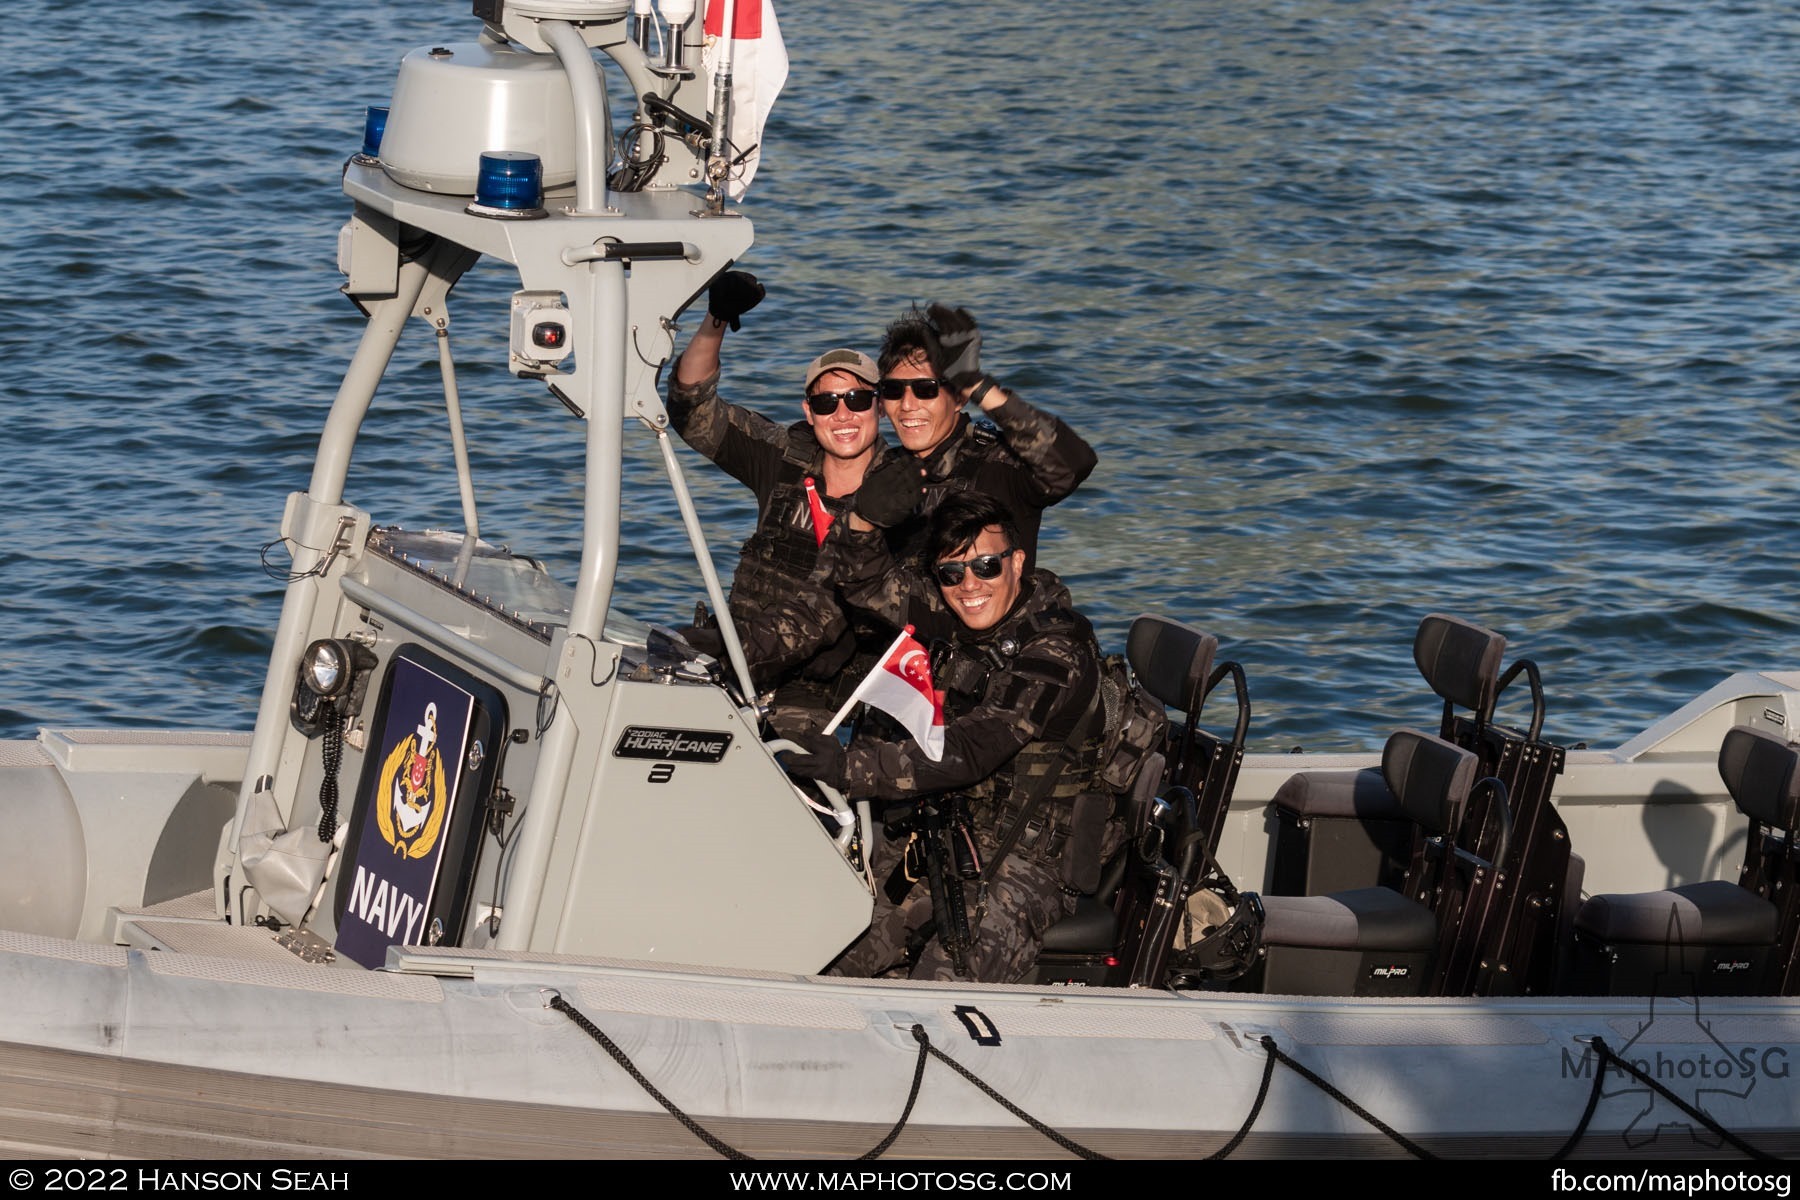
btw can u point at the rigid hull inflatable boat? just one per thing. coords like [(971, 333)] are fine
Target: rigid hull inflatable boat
[(509, 873)]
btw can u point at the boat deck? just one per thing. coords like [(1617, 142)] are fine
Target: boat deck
[(189, 925)]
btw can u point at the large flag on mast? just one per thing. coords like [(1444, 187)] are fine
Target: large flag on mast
[(758, 63), (900, 686)]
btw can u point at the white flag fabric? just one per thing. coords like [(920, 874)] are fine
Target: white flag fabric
[(759, 66), (900, 686)]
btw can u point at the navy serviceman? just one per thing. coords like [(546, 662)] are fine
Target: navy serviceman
[(1017, 780), (795, 634), (1027, 459)]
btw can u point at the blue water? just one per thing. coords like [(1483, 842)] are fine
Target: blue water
[(1371, 309)]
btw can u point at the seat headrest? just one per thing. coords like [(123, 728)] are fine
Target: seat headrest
[(1173, 661), (1760, 772), (1430, 777), (1460, 660)]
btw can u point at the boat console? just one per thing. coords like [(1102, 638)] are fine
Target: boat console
[(454, 748)]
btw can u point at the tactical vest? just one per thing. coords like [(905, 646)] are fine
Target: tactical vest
[(772, 591), (983, 440), (783, 550), (906, 541), (967, 673)]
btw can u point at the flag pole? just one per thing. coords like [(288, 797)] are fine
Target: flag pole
[(717, 166), (880, 664)]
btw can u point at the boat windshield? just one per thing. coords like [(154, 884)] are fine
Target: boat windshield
[(513, 585)]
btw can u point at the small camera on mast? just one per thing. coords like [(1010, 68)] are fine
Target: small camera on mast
[(541, 333)]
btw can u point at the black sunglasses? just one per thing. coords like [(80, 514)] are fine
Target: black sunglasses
[(826, 403), (985, 566), (924, 389)]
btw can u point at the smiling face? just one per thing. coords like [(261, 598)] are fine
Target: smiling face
[(921, 425), (981, 603), (844, 434)]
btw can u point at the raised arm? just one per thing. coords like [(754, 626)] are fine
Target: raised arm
[(729, 297), (1056, 457), (745, 443), (1057, 460), (700, 361)]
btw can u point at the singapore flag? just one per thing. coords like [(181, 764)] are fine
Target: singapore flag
[(756, 61), (901, 687)]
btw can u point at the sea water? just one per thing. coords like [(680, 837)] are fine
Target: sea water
[(1371, 309)]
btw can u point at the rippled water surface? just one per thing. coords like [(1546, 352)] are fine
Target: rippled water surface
[(1371, 309)]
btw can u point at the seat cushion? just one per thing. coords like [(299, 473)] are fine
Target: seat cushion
[(1373, 918), (1363, 795), (1170, 659), (1716, 913), (1090, 929), (1762, 773), (1460, 660)]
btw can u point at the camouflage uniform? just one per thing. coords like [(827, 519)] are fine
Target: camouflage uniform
[(1023, 457), (797, 639), (1016, 695), (1027, 460)]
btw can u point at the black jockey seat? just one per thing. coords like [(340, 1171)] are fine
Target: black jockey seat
[(1713, 938), (1091, 931), (1340, 830), (1173, 664), (1344, 829), (1378, 941)]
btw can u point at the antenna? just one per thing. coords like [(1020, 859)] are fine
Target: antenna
[(676, 14), (643, 24)]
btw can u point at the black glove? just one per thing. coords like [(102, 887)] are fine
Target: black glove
[(732, 295), (705, 639), (890, 491), (821, 757), (961, 341)]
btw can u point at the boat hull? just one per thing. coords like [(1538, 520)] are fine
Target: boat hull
[(168, 1053), (143, 1027)]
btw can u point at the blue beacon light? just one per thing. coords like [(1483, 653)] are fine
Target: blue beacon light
[(374, 125), (509, 183)]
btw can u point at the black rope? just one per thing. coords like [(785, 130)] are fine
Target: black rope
[(1587, 1114), (1262, 1093), (1325, 1086), (905, 1113), (331, 750), (1608, 1057), (620, 1057), (1073, 1147), (546, 705), (1275, 1054), (635, 172)]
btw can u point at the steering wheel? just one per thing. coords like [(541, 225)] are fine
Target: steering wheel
[(839, 809)]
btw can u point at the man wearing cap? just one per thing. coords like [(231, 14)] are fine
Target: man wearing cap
[(796, 637)]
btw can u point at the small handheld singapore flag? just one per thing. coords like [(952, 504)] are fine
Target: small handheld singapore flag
[(900, 685)]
